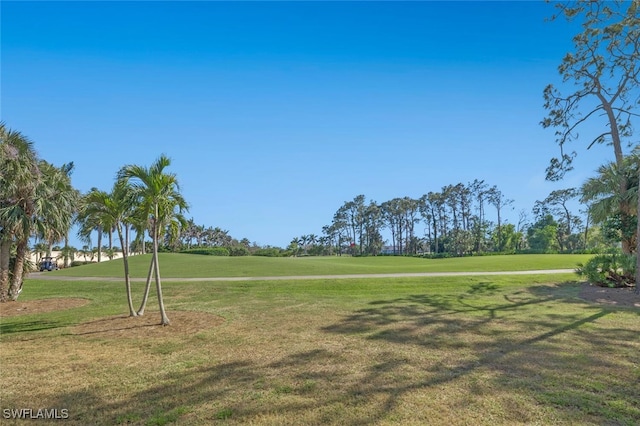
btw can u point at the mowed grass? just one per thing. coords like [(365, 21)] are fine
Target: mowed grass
[(432, 350), (199, 266)]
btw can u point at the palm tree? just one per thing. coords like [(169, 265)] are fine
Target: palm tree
[(605, 198), (19, 176), (140, 227), (90, 220), (294, 246), (36, 198), (158, 198), (40, 250), (84, 252), (313, 239), (113, 210), (57, 200), (110, 252), (69, 254)]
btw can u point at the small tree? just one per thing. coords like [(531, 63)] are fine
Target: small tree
[(159, 201)]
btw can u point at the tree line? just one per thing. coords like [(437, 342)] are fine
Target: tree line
[(469, 219)]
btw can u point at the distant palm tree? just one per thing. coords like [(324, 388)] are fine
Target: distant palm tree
[(84, 252), (304, 241), (293, 246), (158, 197), (68, 253), (110, 252), (40, 250), (313, 239), (90, 219)]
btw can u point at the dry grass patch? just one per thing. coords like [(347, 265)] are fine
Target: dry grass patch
[(10, 309), (147, 326)]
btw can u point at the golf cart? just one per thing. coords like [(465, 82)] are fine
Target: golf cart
[(48, 264)]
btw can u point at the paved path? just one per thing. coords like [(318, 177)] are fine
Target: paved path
[(47, 276)]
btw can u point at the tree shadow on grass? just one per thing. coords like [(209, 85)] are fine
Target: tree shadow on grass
[(496, 334), (478, 342), (22, 326), (255, 392)]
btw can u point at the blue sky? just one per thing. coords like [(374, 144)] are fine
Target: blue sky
[(276, 113)]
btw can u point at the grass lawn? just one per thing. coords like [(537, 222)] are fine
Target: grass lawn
[(191, 265), (439, 350)]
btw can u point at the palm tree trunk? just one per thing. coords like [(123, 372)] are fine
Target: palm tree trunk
[(127, 281), (99, 244), (163, 314), (147, 286), (16, 283), (126, 239), (66, 251), (586, 229), (5, 255), (141, 237)]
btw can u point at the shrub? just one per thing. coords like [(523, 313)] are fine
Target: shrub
[(268, 252), (609, 270), (444, 255), (239, 251), (80, 263), (208, 251)]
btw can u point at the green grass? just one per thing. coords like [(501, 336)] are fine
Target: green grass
[(198, 266), (485, 350)]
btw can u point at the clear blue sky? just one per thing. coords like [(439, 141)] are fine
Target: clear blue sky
[(276, 113)]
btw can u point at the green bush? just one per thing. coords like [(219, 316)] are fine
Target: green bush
[(268, 252), (208, 251), (80, 263), (609, 270), (444, 255), (239, 251)]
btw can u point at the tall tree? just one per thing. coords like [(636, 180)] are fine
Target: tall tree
[(499, 201), (34, 195), (354, 214), (605, 70), (480, 190), (557, 203), (409, 210), (391, 220), (159, 199), (19, 174), (373, 223)]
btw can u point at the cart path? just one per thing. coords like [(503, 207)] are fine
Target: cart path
[(49, 276)]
